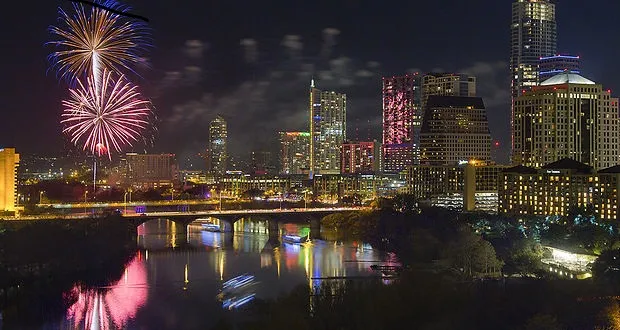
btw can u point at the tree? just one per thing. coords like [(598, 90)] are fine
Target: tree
[(253, 193), (405, 203), (543, 322), (471, 254), (607, 267)]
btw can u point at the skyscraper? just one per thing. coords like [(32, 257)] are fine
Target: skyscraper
[(294, 152), (217, 153), (567, 116), (9, 161), (533, 35), (401, 122), (551, 65), (328, 127), (455, 129), (447, 84)]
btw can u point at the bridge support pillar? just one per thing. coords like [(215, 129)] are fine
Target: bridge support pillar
[(315, 228), (274, 230)]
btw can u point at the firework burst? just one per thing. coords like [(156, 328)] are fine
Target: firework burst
[(108, 117), (96, 39)]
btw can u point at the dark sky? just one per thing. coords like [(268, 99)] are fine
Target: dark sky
[(252, 61)]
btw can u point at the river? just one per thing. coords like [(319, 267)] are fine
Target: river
[(175, 280)]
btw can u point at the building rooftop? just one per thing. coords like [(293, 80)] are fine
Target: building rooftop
[(441, 101), (610, 170), (521, 169), (567, 78), (568, 164)]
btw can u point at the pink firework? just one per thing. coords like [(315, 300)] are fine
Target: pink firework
[(105, 118)]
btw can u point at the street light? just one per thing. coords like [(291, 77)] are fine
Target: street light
[(85, 193), (125, 202), (305, 199), (41, 196)]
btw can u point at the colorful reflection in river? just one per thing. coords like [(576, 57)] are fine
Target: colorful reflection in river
[(110, 307)]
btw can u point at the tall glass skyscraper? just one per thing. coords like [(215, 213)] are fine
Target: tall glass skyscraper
[(533, 35), (217, 153), (328, 130)]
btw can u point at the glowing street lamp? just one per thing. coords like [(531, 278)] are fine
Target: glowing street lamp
[(41, 196)]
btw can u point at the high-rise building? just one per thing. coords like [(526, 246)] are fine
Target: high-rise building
[(567, 116), (328, 129), (533, 35), (151, 170), (549, 66), (455, 129), (9, 161), (217, 155), (447, 84), (294, 152), (360, 157), (261, 163), (401, 122)]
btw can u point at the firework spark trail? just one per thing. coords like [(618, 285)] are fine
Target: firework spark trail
[(106, 118), (97, 38)]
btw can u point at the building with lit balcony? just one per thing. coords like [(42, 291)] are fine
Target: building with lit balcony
[(454, 129), (294, 152), (217, 153), (328, 129), (549, 66), (401, 122), (144, 171), (332, 188), (360, 157), (9, 162), (567, 116), (555, 188)]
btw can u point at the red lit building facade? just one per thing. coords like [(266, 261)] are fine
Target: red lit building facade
[(401, 121)]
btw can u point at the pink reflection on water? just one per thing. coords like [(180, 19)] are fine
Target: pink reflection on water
[(114, 305)]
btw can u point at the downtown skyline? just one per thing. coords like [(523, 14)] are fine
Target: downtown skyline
[(257, 73)]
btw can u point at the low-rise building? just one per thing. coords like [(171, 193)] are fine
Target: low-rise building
[(470, 186)]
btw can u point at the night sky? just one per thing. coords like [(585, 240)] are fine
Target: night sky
[(252, 61)]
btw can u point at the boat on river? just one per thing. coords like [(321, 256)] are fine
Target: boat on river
[(211, 227), (294, 239)]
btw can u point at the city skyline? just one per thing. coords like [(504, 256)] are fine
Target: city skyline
[(354, 65)]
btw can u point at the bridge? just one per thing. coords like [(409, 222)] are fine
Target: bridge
[(228, 218)]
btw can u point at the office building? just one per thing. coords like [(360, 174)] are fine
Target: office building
[(447, 84), (567, 116), (549, 66), (9, 161), (235, 185), (151, 170), (455, 128), (328, 125), (469, 186), (294, 152), (217, 155), (261, 163), (533, 35), (360, 157), (555, 188), (401, 122)]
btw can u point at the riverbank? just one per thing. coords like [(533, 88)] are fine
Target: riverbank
[(41, 260)]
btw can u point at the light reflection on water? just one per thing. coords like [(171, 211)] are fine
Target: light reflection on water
[(174, 280)]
